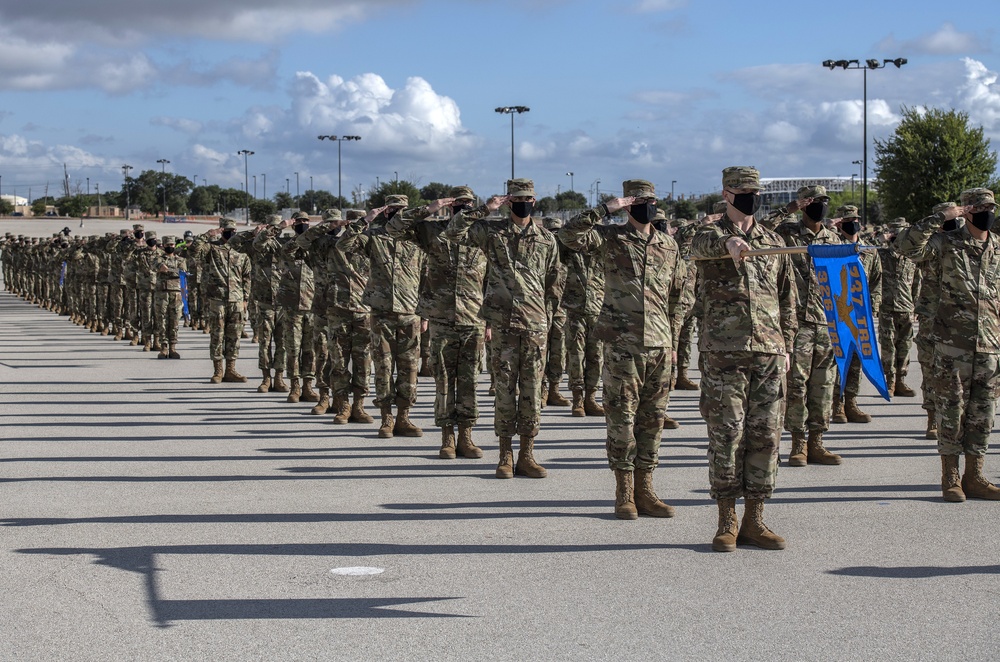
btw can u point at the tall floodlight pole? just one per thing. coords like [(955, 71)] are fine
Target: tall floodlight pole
[(163, 163), (339, 139), (246, 181), (570, 180), (511, 110), (128, 202), (296, 189), (868, 64)]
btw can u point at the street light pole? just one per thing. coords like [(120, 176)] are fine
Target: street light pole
[(246, 182), (868, 64), (163, 163), (125, 169), (339, 139), (263, 176), (511, 110), (570, 180), (254, 186), (296, 190), (672, 182), (857, 163)]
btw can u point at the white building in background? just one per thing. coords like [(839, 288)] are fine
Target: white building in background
[(15, 200), (778, 191)]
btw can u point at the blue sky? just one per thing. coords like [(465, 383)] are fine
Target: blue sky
[(659, 89)]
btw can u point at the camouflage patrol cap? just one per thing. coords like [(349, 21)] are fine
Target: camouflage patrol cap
[(846, 211), (897, 224), (170, 240), (124, 232), (550, 223), (93, 237), (461, 193), (520, 188), (942, 206), (273, 220), (332, 215), (138, 227), (355, 214), (397, 201), (720, 207), (300, 216), (977, 196), (660, 215), (815, 192), (150, 234), (638, 188), (679, 222), (227, 223), (739, 177)]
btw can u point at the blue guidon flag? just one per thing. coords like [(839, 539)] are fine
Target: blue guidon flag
[(184, 292), (848, 306)]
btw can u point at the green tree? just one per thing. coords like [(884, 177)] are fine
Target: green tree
[(6, 207), (39, 205), (685, 209), (260, 210), (377, 195), (708, 202), (283, 200), (571, 200), (73, 205), (435, 191), (546, 205), (931, 157), (204, 199)]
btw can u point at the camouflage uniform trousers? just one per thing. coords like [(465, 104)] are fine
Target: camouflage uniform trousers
[(144, 300), (685, 340), (925, 355), (131, 305), (636, 386), (425, 347), (555, 361), (454, 357), (584, 352), (270, 327), (518, 361), (811, 380), (116, 299), (88, 302), (349, 339), (895, 338), (321, 349), (966, 386), (300, 327), (395, 343), (743, 404), (226, 322), (102, 301), (169, 311)]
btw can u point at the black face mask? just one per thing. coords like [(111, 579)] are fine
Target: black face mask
[(746, 203), (522, 209), (138, 234), (816, 211), (228, 234), (390, 212), (643, 213), (457, 209), (850, 227), (169, 250), (151, 243), (984, 220), (950, 224), (300, 228)]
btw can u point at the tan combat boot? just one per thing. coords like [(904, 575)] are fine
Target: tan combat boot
[(839, 415), (217, 377), (385, 430), (466, 448), (105, 329), (798, 458), (505, 467), (817, 453), (590, 406), (447, 451), (358, 413), (555, 398), (278, 384), (951, 480), (725, 537), (341, 408), (931, 432), (669, 423), (294, 391), (164, 353), (625, 495), (173, 351), (324, 403), (308, 393), (753, 531), (147, 344), (902, 390), (404, 426), (577, 406), (526, 465), (231, 375), (492, 391), (683, 382), (974, 483), (854, 413), (119, 333), (646, 501), (265, 383)]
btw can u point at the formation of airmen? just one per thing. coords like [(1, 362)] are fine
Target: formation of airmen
[(401, 291)]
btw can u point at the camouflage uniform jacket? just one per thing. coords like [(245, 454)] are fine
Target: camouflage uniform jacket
[(584, 282), (639, 273), (226, 273), (750, 308), (968, 270), (106, 254), (297, 287), (523, 269), (144, 260), (452, 291), (194, 252), (872, 264), (396, 267), (810, 298), (169, 280), (264, 251), (898, 272), (347, 274)]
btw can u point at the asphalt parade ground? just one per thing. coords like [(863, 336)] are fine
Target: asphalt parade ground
[(149, 515)]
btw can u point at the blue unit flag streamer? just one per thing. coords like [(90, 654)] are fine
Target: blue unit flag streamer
[(62, 274), (848, 307), (184, 292)]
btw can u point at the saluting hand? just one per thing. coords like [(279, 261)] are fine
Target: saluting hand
[(616, 204)]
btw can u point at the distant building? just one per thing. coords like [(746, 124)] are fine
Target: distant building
[(779, 191), (15, 200)]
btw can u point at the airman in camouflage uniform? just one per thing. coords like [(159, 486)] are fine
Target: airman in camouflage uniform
[(845, 408), (392, 292), (226, 282), (641, 266), (296, 291), (520, 281), (895, 324), (967, 326), (555, 352), (450, 298), (747, 332), (167, 297), (263, 246)]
